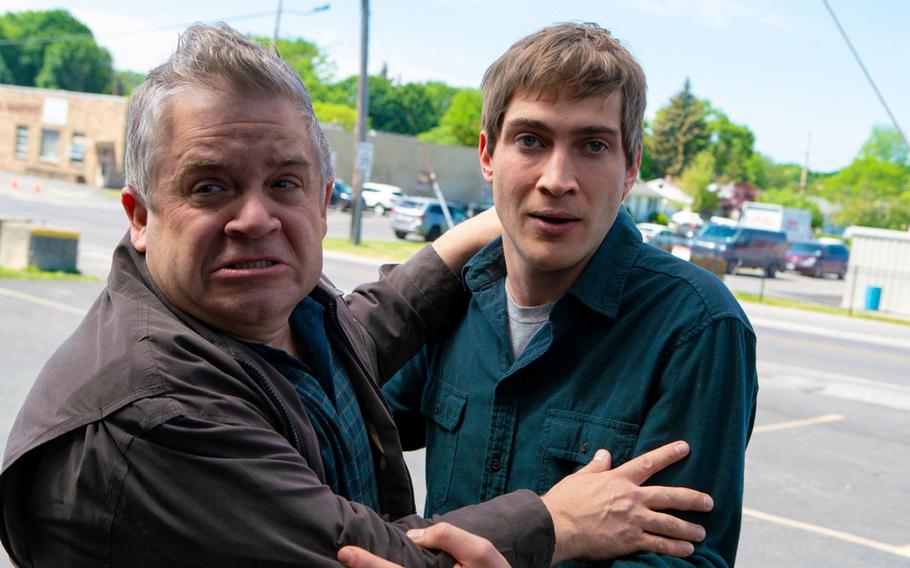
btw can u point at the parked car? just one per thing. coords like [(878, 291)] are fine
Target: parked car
[(815, 258), (666, 239), (341, 196), (423, 216), (742, 247), (380, 197), (649, 230), (476, 207)]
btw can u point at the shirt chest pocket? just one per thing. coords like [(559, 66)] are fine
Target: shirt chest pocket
[(570, 439), (444, 407)]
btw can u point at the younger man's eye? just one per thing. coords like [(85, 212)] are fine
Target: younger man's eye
[(528, 141), (596, 146)]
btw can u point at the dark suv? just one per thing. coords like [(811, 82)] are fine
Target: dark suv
[(742, 247), (814, 258)]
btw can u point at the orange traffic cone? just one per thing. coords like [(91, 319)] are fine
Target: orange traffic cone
[(37, 187), (14, 184)]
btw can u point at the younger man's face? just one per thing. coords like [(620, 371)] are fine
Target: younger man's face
[(559, 176)]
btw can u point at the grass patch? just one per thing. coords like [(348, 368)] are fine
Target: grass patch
[(785, 303), (392, 251), (32, 273)]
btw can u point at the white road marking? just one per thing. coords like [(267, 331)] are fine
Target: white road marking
[(798, 423), (903, 551), (42, 301)]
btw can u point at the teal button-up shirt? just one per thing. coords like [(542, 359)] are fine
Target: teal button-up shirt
[(643, 349)]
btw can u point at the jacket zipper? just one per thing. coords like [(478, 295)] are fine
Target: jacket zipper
[(274, 397)]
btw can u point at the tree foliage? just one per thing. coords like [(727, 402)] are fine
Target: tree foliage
[(678, 134), (695, 180), (77, 64), (334, 113), (885, 144), (871, 192), (732, 147), (54, 50)]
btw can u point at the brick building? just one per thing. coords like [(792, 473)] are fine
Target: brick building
[(77, 137)]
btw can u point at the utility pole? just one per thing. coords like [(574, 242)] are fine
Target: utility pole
[(362, 152), (277, 25), (804, 175)]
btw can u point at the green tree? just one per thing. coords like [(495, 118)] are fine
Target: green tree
[(125, 82), (6, 76), (76, 64), (36, 32), (695, 181), (679, 133), (460, 125), (441, 96), (334, 113), (406, 109), (732, 146), (885, 144), (871, 192), (313, 67)]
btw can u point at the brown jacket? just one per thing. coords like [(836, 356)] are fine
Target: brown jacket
[(150, 439)]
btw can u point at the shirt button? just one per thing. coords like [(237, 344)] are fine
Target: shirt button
[(584, 448), (495, 464)]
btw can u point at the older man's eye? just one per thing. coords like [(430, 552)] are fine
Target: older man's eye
[(285, 183), (207, 188)]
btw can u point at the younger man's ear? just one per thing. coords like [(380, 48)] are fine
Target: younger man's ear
[(486, 160), (137, 213), (632, 174)]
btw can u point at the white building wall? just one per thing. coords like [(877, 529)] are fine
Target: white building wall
[(879, 257)]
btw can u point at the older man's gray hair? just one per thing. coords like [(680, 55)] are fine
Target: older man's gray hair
[(214, 57)]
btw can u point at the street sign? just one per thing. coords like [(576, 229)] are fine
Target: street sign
[(365, 156)]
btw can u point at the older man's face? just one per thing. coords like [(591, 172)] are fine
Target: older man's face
[(235, 233)]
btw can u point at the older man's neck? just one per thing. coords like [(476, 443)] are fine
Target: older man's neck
[(280, 338)]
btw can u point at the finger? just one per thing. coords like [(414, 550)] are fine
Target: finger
[(638, 470), (666, 546), (658, 498), (668, 526), (600, 462), (354, 557), (467, 548)]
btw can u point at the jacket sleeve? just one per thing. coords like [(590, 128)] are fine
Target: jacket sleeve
[(406, 308), (706, 397), (221, 489)]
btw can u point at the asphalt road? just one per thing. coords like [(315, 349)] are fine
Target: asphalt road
[(826, 479)]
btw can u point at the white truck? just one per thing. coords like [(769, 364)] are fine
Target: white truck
[(796, 223)]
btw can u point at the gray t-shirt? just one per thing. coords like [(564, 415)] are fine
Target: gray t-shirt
[(524, 323)]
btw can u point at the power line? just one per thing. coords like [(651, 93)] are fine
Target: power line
[(169, 27), (866, 72)]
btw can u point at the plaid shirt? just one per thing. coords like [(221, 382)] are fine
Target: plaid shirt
[(330, 402)]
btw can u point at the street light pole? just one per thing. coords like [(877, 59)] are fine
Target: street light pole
[(360, 165)]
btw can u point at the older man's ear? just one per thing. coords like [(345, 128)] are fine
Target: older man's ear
[(137, 214)]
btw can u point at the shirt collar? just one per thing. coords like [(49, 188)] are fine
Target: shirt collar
[(600, 285)]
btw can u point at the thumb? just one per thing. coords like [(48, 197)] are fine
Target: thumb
[(600, 462)]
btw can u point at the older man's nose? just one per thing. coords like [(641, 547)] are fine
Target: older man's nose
[(253, 218)]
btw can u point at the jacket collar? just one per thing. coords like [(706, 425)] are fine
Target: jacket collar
[(599, 287)]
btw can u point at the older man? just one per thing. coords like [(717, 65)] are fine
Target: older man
[(219, 406), (577, 335)]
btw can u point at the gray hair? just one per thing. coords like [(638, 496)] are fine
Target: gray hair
[(208, 57)]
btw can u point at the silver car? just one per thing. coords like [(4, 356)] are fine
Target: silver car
[(423, 216)]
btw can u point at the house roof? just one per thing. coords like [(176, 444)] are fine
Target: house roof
[(668, 191)]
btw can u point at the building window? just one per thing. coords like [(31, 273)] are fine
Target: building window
[(50, 145), (21, 141), (77, 148)]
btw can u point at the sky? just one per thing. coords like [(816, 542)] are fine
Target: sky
[(778, 66)]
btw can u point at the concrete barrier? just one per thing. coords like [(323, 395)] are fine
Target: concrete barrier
[(45, 248)]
